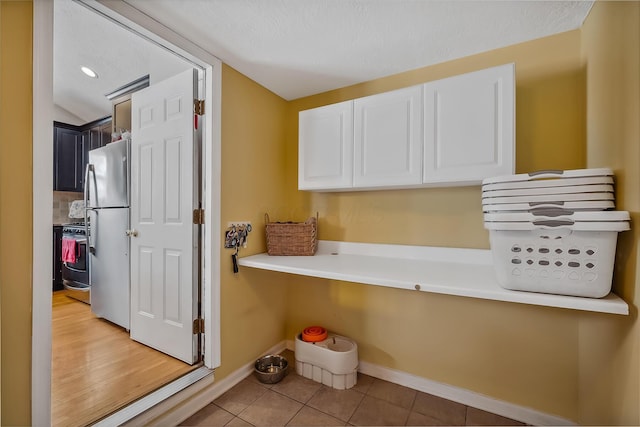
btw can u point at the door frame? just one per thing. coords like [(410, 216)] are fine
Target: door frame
[(132, 19)]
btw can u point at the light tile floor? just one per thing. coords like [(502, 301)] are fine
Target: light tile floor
[(298, 401)]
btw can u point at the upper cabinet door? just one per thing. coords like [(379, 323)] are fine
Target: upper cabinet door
[(67, 160), (469, 126), (388, 139), (325, 156), (449, 132)]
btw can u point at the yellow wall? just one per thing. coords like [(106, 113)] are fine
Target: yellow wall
[(15, 214), (518, 353), (550, 97), (580, 366), (253, 305), (609, 351)]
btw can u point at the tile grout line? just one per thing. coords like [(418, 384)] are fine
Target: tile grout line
[(363, 392), (305, 404), (294, 415), (356, 408), (466, 414), (413, 402)]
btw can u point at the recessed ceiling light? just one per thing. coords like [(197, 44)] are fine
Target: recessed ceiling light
[(89, 72)]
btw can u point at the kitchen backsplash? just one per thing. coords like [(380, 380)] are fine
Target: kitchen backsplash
[(61, 202)]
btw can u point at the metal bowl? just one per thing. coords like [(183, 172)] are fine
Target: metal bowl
[(270, 369)]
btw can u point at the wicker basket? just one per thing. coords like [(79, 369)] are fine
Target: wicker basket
[(292, 238)]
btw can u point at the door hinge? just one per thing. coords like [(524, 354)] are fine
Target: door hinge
[(198, 216), (198, 107), (198, 326)]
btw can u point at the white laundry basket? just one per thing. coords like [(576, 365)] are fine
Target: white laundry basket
[(556, 256), (579, 190), (549, 178)]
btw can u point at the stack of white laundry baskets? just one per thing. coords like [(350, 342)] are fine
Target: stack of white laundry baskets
[(554, 231)]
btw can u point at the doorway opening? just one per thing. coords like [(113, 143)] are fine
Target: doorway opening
[(91, 346), (43, 14)]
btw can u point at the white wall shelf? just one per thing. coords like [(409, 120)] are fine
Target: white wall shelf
[(450, 271)]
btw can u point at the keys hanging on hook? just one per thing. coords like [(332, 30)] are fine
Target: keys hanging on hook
[(247, 230), (236, 236), (234, 260), (231, 238), (242, 235)]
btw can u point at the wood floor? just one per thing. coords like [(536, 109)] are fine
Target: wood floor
[(97, 368)]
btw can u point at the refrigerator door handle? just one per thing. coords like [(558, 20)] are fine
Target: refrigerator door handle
[(86, 194), (91, 244), (87, 186), (127, 172), (88, 169)]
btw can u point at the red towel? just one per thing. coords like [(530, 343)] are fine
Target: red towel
[(68, 250)]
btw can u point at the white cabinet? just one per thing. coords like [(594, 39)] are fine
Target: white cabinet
[(325, 148), (388, 139), (469, 126), (449, 132)]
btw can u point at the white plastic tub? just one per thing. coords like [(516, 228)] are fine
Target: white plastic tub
[(549, 178), (557, 214), (555, 256), (569, 189), (332, 362), (548, 183), (548, 198), (593, 205)]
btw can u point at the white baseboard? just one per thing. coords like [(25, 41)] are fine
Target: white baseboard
[(178, 413), (460, 395), (464, 396)]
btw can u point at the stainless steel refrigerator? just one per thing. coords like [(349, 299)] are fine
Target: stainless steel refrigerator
[(106, 195)]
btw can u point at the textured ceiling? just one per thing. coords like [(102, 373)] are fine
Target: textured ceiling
[(297, 48), (81, 37)]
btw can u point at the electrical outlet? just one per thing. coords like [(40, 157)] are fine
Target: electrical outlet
[(238, 223)]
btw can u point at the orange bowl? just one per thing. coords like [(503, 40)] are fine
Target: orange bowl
[(314, 334)]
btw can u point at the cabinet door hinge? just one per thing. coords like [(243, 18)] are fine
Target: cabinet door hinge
[(198, 107), (198, 326), (198, 216)]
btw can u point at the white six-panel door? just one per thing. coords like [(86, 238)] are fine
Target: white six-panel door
[(163, 297)]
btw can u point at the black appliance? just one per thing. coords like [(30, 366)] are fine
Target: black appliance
[(75, 275)]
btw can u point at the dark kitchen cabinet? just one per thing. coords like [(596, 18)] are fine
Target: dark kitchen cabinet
[(67, 158), (57, 258), (98, 135), (71, 146), (95, 135)]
